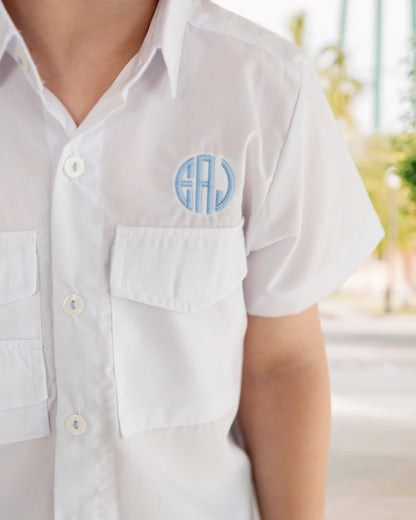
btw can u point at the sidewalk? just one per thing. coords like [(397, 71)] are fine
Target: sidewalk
[(372, 461)]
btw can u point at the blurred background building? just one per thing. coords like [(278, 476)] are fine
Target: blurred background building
[(364, 52)]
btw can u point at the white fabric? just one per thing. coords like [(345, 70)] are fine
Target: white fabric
[(215, 182)]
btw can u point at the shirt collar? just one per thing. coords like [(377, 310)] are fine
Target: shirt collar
[(166, 32), (170, 33)]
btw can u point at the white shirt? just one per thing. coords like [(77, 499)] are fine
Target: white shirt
[(210, 180)]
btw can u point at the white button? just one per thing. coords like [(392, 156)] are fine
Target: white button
[(74, 166), (73, 304), (22, 60), (75, 424)]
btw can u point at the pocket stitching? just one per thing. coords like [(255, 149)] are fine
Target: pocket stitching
[(28, 346), (170, 301)]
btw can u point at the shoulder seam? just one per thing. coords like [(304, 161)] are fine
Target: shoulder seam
[(300, 56)]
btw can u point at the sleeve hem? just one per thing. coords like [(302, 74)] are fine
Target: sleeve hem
[(354, 253)]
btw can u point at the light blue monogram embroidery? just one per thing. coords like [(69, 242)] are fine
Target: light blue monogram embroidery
[(194, 184)]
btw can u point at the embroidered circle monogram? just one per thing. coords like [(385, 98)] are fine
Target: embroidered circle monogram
[(190, 183)]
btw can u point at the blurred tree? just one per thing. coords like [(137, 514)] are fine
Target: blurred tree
[(407, 166), (380, 151), (340, 87), (297, 28), (407, 170)]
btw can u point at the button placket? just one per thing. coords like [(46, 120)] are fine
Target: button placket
[(73, 304), (79, 358)]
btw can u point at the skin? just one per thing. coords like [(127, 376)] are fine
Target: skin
[(68, 39), (284, 410), (285, 414)]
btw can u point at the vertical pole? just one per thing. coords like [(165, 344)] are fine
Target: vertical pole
[(413, 65), (414, 30), (414, 20), (379, 18), (343, 22)]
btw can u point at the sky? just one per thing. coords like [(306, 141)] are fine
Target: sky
[(322, 28)]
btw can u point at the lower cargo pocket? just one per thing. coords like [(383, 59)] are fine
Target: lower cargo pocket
[(23, 391)]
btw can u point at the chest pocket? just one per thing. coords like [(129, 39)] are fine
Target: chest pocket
[(23, 388), (178, 323)]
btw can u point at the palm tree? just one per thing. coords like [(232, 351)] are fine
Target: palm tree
[(340, 87), (297, 28)]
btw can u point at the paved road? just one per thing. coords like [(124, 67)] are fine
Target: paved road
[(372, 462)]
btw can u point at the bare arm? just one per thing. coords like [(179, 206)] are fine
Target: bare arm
[(285, 414)]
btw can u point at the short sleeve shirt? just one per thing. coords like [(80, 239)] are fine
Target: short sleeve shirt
[(209, 181)]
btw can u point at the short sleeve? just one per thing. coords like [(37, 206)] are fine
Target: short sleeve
[(317, 224)]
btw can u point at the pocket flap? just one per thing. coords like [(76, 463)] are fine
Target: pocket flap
[(181, 269), (18, 265), (23, 380)]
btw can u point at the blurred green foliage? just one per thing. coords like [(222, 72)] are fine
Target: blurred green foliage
[(407, 166), (378, 153), (407, 170)]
